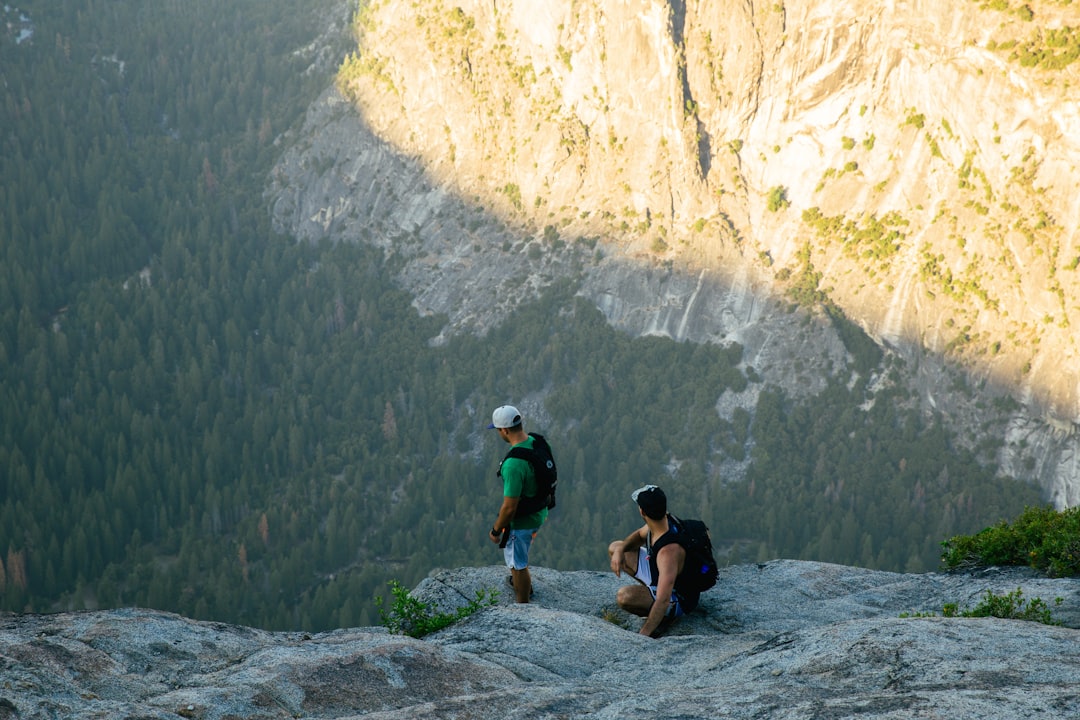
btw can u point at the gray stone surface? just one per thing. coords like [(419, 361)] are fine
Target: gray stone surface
[(783, 639)]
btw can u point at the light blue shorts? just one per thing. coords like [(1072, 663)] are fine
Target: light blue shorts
[(644, 574), (516, 552)]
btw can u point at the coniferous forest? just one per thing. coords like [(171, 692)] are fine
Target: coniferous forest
[(201, 416)]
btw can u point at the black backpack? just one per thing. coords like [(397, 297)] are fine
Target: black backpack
[(699, 570), (547, 475)]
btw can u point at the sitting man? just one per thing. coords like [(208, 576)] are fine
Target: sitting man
[(652, 556)]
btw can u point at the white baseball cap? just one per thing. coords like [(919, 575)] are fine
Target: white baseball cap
[(505, 416)]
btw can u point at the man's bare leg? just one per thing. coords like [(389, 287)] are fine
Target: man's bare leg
[(635, 599), (522, 584)]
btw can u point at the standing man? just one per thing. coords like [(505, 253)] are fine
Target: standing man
[(653, 556), (519, 482)]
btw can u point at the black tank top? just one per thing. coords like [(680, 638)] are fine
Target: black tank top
[(688, 599)]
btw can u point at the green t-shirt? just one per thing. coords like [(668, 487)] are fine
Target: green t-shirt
[(519, 480)]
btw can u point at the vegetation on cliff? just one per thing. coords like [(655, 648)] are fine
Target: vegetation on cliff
[(929, 155), (1040, 537)]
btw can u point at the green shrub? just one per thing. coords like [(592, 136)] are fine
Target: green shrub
[(513, 192), (412, 617), (805, 289), (1011, 606), (935, 149), (1048, 49), (916, 119), (1041, 537), (777, 198), (565, 55)]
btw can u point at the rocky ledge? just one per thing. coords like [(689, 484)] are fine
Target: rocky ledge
[(783, 639)]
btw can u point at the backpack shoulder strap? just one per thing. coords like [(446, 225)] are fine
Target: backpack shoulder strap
[(536, 454), (523, 453), (672, 537)]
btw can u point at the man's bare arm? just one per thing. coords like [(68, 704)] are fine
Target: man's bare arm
[(668, 561), (506, 514), (632, 542)]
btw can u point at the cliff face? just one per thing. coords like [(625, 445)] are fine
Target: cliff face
[(926, 152), (779, 640), (689, 163)]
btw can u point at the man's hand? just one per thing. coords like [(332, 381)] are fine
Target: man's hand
[(618, 550), (616, 557), (506, 515)]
